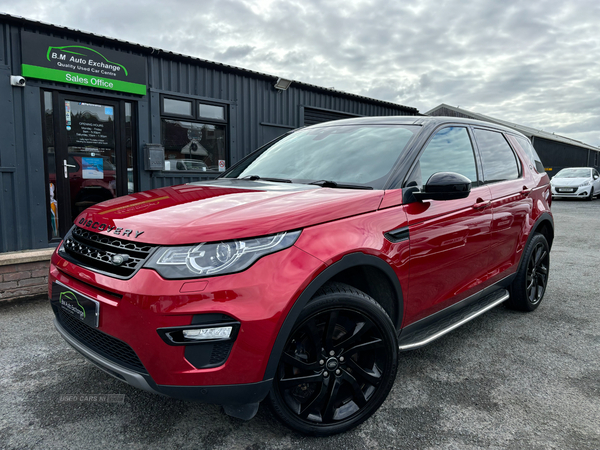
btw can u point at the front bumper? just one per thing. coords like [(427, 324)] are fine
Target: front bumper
[(240, 394), (131, 311), (574, 192)]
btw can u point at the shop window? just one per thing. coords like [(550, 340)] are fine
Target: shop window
[(177, 107), (52, 194), (192, 146), (197, 145), (211, 111), (131, 181)]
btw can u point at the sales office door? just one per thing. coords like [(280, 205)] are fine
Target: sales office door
[(89, 161)]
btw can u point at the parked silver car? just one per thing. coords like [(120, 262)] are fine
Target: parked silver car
[(576, 182)]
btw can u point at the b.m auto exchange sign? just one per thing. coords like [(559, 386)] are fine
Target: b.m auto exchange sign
[(54, 59)]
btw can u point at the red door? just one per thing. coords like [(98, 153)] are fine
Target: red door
[(449, 240), (512, 204), (449, 244)]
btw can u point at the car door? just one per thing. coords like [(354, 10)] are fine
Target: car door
[(512, 204), (448, 239)]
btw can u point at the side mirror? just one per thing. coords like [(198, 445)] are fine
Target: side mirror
[(445, 186), (595, 177)]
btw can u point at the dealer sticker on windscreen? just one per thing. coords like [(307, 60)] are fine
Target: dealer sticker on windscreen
[(75, 304)]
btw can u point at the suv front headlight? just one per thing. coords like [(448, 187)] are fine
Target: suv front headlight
[(217, 258)]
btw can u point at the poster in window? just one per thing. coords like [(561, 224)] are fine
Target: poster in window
[(90, 124), (92, 168)]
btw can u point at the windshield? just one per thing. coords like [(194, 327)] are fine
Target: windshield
[(357, 154), (574, 173)]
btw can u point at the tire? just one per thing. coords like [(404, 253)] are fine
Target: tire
[(338, 364), (591, 196), (529, 287)]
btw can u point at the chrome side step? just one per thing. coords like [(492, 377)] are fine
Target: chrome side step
[(451, 322)]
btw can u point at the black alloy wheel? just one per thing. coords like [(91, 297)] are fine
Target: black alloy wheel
[(537, 273), (338, 365), (529, 286)]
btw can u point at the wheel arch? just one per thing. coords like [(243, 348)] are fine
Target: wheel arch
[(543, 225), (367, 273), (546, 227)]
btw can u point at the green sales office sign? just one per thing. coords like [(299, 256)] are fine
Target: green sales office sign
[(54, 59)]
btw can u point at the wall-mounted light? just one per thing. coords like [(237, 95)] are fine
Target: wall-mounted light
[(282, 84)]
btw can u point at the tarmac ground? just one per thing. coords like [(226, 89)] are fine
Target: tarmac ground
[(506, 380)]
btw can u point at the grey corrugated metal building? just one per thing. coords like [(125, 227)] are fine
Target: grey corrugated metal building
[(80, 108), (556, 152)]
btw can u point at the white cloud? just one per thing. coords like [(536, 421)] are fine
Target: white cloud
[(534, 63)]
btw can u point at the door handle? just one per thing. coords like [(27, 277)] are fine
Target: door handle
[(66, 167), (480, 204), (526, 191)]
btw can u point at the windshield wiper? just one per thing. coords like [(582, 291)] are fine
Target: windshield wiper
[(335, 184), (256, 178)]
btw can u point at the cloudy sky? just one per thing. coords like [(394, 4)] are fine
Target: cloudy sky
[(532, 62)]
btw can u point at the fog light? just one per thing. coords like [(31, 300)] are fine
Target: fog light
[(202, 334)]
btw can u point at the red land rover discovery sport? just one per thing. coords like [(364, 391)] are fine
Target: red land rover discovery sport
[(299, 274)]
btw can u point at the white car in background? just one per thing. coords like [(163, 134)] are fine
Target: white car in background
[(576, 182)]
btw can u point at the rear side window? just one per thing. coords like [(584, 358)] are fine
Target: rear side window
[(450, 150), (499, 161), (531, 153)]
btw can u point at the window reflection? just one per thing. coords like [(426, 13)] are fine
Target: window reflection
[(192, 146), (179, 107), (499, 161), (450, 150), (348, 154), (211, 111), (50, 166)]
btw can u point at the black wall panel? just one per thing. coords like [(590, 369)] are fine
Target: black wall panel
[(556, 153), (313, 116)]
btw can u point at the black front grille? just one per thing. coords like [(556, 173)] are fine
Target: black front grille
[(103, 344), (96, 252)]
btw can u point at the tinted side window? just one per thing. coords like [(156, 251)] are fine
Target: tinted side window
[(499, 161), (531, 153), (450, 150)]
